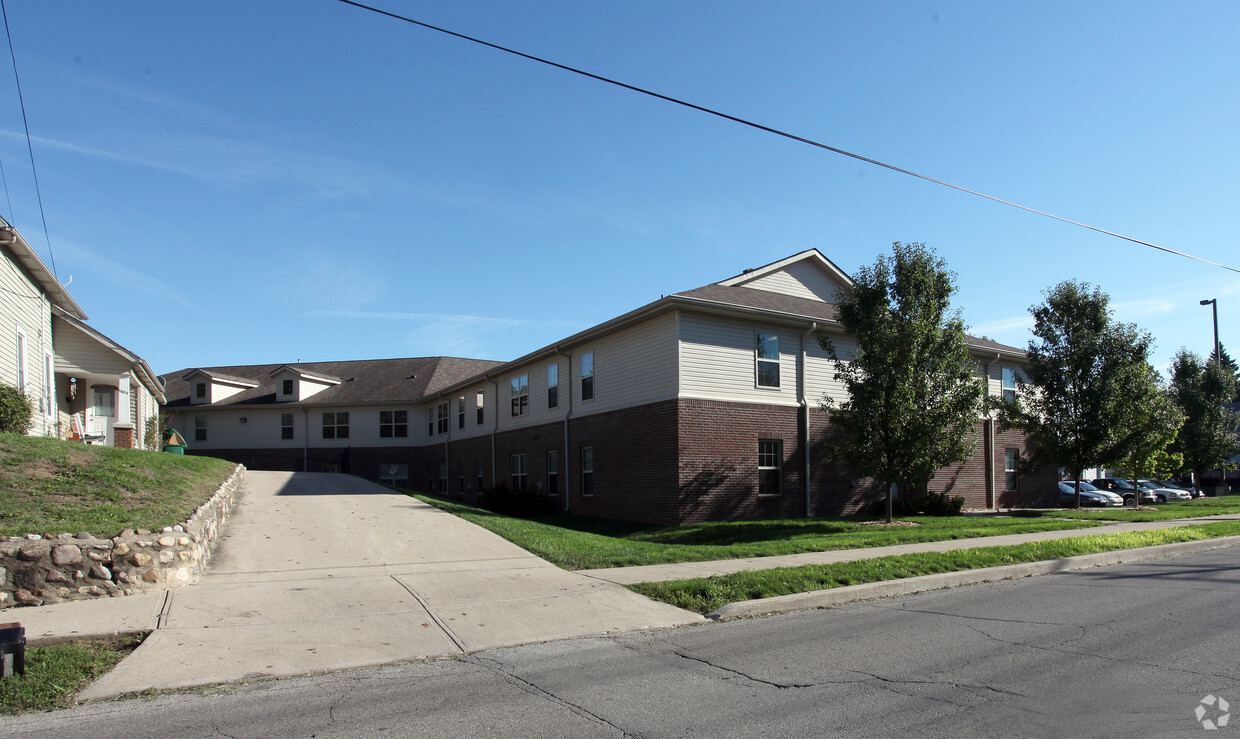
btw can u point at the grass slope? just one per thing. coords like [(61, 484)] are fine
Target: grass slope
[(579, 542), (48, 486), (56, 674)]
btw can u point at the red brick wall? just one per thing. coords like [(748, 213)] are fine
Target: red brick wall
[(635, 475)]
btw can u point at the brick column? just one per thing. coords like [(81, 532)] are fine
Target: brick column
[(122, 435)]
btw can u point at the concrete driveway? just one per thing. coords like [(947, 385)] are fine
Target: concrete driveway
[(320, 572)]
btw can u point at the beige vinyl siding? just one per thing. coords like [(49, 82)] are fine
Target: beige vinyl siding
[(631, 368), (820, 379), (801, 279), (79, 354), (472, 429), (717, 360)]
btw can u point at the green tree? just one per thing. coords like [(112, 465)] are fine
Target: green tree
[(1154, 420), (913, 396), (1229, 365), (1081, 364), (1202, 389), (15, 410)]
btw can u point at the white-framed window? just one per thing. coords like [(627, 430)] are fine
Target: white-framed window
[(766, 358), (478, 472), (1010, 459), (519, 473), (770, 462), (49, 384), (441, 417), (460, 475), (393, 424), (442, 466), (336, 425), (553, 472), (587, 470), (287, 387), (200, 390), (394, 474), (460, 412), (520, 393), (553, 386), (335, 468), (104, 400), (480, 400), (286, 425), (21, 360), (587, 376), (200, 428), (430, 421), (1009, 385)]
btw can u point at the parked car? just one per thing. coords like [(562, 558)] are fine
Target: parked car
[(1163, 493), (1124, 488), (1090, 495), (1180, 486)]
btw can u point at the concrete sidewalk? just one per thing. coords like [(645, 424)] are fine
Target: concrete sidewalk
[(320, 572), (689, 570)]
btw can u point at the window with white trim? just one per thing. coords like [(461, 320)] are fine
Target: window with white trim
[(520, 393), (478, 470), (200, 428), (393, 424), (287, 387), (766, 356), (519, 473), (430, 421), (443, 476), (200, 390), (553, 386), (460, 475), (394, 474), (587, 376), (770, 461), (21, 360), (441, 417), (460, 412), (479, 407), (1011, 457), (336, 425), (1009, 385), (587, 470), (286, 425), (49, 384), (553, 472)]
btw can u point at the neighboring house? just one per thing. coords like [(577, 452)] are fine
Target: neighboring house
[(82, 385), (702, 405)]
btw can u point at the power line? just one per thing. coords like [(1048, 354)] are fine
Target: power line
[(775, 131), (29, 147)]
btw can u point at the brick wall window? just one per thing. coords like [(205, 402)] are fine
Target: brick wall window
[(553, 386), (286, 425), (200, 428), (1010, 459), (393, 424), (520, 392), (587, 376), (766, 356), (587, 470), (770, 461), (482, 481), (336, 425), (394, 474), (460, 475), (518, 471), (479, 406), (553, 472), (1009, 385), (443, 476)]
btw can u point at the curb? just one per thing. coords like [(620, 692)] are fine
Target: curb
[(908, 586)]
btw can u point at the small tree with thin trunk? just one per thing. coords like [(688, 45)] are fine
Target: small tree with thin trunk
[(913, 397)]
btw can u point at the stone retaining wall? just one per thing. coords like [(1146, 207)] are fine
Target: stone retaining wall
[(37, 569)]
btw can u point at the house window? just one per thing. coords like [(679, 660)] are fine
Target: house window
[(587, 470), (49, 384), (587, 376), (393, 424), (105, 402), (767, 356), (333, 468), (336, 425), (1010, 458), (430, 421), (287, 386), (460, 475), (200, 428), (441, 418), (460, 412), (479, 405), (553, 472), (443, 476), (481, 478), (518, 472), (200, 390), (286, 425), (394, 474), (21, 361), (1009, 385), (520, 387), (770, 459), (553, 386)]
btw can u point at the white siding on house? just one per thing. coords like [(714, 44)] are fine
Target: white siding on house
[(820, 370), (219, 391), (804, 279), (718, 360), (631, 368), (24, 307), (79, 354)]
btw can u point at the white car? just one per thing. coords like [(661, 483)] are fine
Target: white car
[(1162, 494)]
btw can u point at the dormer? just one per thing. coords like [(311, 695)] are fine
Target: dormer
[(209, 387), (294, 384)]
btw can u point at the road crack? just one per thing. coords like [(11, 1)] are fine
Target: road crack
[(509, 674)]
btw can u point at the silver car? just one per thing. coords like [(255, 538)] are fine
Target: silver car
[(1090, 495), (1163, 494)]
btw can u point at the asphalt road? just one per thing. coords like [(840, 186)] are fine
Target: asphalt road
[(1126, 650)]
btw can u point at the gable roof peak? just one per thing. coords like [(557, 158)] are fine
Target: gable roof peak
[(812, 255)]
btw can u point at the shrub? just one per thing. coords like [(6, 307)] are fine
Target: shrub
[(942, 504), (931, 504), (15, 410)]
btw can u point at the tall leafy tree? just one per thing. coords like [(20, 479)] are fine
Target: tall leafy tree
[(1081, 365), (913, 396), (1229, 365), (1202, 389), (1154, 421)]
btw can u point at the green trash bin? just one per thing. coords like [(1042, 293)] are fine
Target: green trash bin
[(175, 443)]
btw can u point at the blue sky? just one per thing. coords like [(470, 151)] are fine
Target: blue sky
[(239, 182)]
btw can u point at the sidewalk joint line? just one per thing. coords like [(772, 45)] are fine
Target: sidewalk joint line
[(434, 616)]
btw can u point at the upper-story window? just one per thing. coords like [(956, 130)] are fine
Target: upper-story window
[(200, 390), (393, 424), (1009, 385), (430, 421), (460, 412), (287, 387), (553, 386), (520, 394), (336, 425), (479, 405), (286, 425), (767, 357), (441, 418), (587, 376)]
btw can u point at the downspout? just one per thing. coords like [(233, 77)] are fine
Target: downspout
[(803, 393), (567, 416), (494, 426)]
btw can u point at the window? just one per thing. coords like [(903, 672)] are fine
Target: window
[(460, 475), (21, 361), (287, 387), (553, 386), (286, 425), (517, 470), (481, 479), (479, 404), (767, 355), (49, 384), (430, 421), (1009, 385), (333, 468), (460, 412), (200, 390), (520, 387), (553, 472), (587, 376), (770, 459), (393, 424), (1010, 458), (200, 428), (394, 474), (587, 470), (443, 476), (441, 418), (336, 425), (105, 401)]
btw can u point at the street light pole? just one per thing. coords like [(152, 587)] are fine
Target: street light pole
[(1218, 357)]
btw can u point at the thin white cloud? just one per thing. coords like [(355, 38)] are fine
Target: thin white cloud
[(1000, 326), (91, 265), (461, 335)]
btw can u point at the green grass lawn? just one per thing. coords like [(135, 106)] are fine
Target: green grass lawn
[(1164, 512), (579, 542), (49, 486), (55, 674), (704, 595)]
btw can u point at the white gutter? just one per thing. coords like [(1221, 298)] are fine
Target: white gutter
[(802, 396)]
